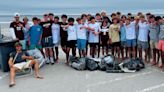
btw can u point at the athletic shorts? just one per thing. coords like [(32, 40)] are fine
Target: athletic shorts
[(47, 42), (142, 45), (23, 65), (115, 44), (94, 44), (131, 43), (71, 43), (123, 43), (33, 46), (153, 44), (81, 44), (64, 42), (161, 45), (104, 40)]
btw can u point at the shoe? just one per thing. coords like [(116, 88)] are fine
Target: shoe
[(11, 85)]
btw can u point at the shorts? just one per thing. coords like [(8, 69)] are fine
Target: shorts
[(33, 46), (47, 42), (93, 44), (24, 44), (142, 45), (104, 40), (56, 44), (153, 44), (71, 43), (81, 44), (131, 43), (161, 45), (123, 43), (64, 42), (115, 44), (23, 65)]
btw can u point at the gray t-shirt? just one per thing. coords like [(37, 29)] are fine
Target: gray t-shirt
[(154, 32), (19, 57), (161, 34)]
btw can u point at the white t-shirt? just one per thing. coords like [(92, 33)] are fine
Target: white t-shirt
[(72, 35), (81, 32), (130, 31), (92, 37), (143, 31), (55, 33)]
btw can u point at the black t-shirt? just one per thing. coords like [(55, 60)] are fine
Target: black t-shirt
[(18, 30), (46, 28), (19, 56), (63, 32)]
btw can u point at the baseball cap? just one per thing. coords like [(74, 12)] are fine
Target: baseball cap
[(16, 15), (18, 44)]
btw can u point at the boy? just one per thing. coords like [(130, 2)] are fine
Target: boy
[(94, 30), (35, 35), (143, 37), (81, 37), (71, 39), (153, 34), (56, 36), (114, 37), (47, 39)]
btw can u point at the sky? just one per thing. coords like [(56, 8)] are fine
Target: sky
[(78, 6)]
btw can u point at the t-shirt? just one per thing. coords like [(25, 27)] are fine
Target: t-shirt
[(130, 31), (154, 32), (143, 31), (18, 30), (46, 28), (71, 33), (26, 31), (114, 33), (34, 33), (161, 34), (81, 32), (56, 33), (92, 37), (19, 56), (63, 31), (123, 33), (104, 30)]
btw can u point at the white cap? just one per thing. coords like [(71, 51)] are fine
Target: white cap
[(16, 15), (103, 11)]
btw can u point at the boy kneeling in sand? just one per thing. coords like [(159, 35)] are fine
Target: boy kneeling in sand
[(20, 60)]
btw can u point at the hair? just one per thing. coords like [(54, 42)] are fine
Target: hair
[(142, 16), (152, 16), (78, 19), (56, 17), (129, 14), (118, 13), (123, 16), (115, 19), (25, 18), (157, 18), (34, 18), (98, 14), (148, 13), (113, 14), (64, 16), (71, 19), (45, 15), (51, 14), (92, 18), (83, 15)]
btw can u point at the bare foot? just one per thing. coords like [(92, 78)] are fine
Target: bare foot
[(39, 77)]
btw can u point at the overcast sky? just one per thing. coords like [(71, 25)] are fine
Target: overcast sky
[(7, 6)]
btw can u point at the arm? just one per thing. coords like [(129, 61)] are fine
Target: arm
[(10, 62)]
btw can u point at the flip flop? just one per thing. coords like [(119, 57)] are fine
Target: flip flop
[(12, 85), (39, 77)]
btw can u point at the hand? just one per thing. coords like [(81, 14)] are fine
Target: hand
[(24, 57), (21, 25)]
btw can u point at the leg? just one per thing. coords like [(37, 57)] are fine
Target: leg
[(51, 55), (67, 55), (36, 69), (12, 76), (57, 54)]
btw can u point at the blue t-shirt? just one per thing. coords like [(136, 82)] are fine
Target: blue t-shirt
[(123, 33), (35, 32), (19, 59)]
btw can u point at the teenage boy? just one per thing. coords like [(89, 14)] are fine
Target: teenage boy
[(94, 30), (35, 35), (72, 38), (161, 42), (18, 27), (20, 60), (47, 39), (153, 34), (56, 36), (26, 29), (114, 37), (63, 33), (81, 37), (143, 33), (131, 37)]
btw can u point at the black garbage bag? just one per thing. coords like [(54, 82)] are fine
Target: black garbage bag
[(79, 64), (140, 63), (91, 64), (106, 59), (113, 67)]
